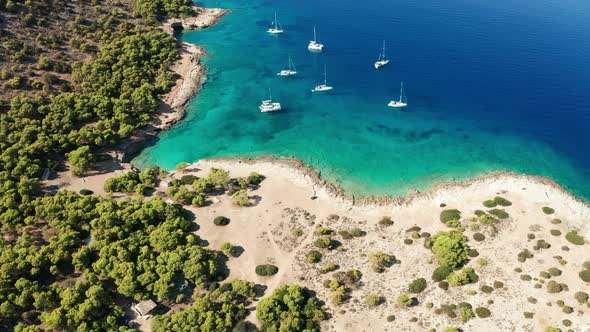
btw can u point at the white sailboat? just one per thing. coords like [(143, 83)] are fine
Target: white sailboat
[(323, 87), (402, 102), (288, 72), (382, 61), (313, 44), (268, 105), (276, 28)]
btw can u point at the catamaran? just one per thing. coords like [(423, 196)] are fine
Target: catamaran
[(323, 87), (382, 61), (313, 44), (288, 72), (401, 102), (268, 105), (276, 28)]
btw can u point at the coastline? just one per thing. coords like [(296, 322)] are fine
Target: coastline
[(192, 74)]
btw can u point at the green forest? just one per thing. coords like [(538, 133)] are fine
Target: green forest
[(78, 77)]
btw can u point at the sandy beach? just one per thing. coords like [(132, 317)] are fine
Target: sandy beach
[(284, 203)]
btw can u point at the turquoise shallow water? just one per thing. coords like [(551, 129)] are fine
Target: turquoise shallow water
[(492, 86)]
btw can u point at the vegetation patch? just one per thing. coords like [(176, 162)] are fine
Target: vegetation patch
[(574, 238), (499, 213), (450, 214), (266, 270), (547, 210), (290, 308), (221, 221), (417, 286)]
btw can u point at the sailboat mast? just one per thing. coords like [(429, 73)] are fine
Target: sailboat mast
[(325, 76), (401, 92), (276, 20), (269, 93), (384, 50), (315, 38)]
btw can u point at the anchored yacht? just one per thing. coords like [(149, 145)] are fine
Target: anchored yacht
[(402, 102), (314, 46), (268, 105), (276, 28), (323, 87), (288, 72), (382, 61)]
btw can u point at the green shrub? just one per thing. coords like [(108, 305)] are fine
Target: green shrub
[(490, 203), (552, 329), (574, 238), (581, 297), (502, 201), (466, 313), (479, 237), (324, 242), (357, 232), (313, 256), (345, 235), (86, 192), (450, 248), (566, 322), (547, 210), (188, 179), (417, 286), (528, 315), (544, 274), (228, 249), (329, 267), (567, 309), (441, 273), (297, 232), (466, 276), (373, 300), (241, 198), (404, 300), (479, 213), (585, 275), (454, 223), (555, 232), (482, 312), (499, 213), (450, 214), (472, 253), (554, 271), (525, 277), (323, 231), (556, 221), (390, 318), (408, 241), (255, 178), (221, 221), (451, 329), (487, 289), (266, 270), (386, 221), (380, 260), (498, 284), (524, 255), (443, 285), (553, 287)]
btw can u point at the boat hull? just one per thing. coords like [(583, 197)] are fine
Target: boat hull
[(322, 89), (380, 64), (273, 107), (287, 73), (274, 31), (396, 104)]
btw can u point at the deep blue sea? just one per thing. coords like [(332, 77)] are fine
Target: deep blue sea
[(492, 85)]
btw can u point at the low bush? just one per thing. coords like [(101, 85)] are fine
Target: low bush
[(479, 213), (472, 253), (373, 300), (221, 221), (479, 237), (357, 232), (390, 318), (566, 322), (490, 203), (228, 249), (380, 260), (417, 286), (466, 276), (528, 315), (482, 312), (386, 221), (567, 309), (441, 273), (313, 256), (324, 242), (554, 271), (266, 270), (555, 232), (188, 179), (329, 267), (345, 235), (524, 255), (574, 238), (581, 297), (451, 329), (466, 313), (525, 277), (502, 201), (241, 198), (553, 287), (498, 284), (487, 289), (585, 275), (556, 221), (450, 214), (544, 274), (408, 241), (255, 178), (499, 213), (404, 300), (443, 285), (547, 210), (86, 192)]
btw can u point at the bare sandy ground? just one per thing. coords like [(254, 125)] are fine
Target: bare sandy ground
[(283, 203)]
